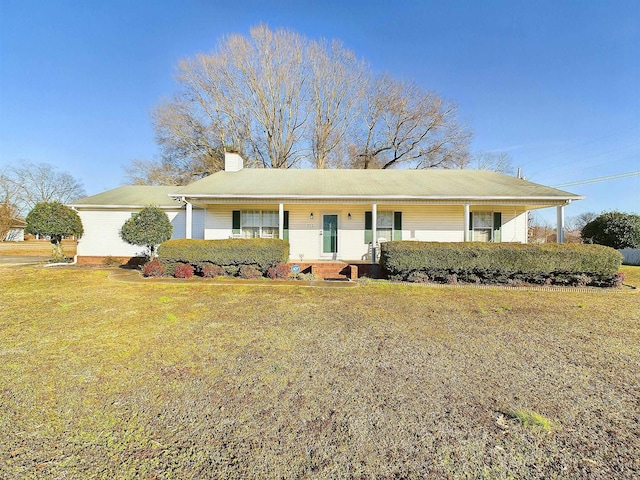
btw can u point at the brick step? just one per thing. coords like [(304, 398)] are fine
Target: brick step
[(326, 270)]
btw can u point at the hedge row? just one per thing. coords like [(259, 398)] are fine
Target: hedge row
[(501, 262), (231, 254)]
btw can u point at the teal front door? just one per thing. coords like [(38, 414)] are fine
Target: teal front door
[(330, 234)]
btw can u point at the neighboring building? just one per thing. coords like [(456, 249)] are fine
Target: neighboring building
[(16, 232), (326, 214)]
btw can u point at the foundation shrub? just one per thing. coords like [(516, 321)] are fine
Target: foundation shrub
[(209, 270), (249, 271), (183, 270), (501, 263), (264, 253), (279, 271), (153, 268), (230, 270)]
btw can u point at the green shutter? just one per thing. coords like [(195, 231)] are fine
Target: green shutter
[(397, 225), (497, 226), (368, 227), (285, 226), (235, 222), (471, 226)]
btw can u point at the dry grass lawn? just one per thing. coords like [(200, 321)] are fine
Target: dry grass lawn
[(106, 379)]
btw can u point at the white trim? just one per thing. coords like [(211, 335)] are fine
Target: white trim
[(560, 224), (188, 223), (380, 199), (466, 222), (332, 255)]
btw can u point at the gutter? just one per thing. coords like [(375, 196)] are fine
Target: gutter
[(374, 199)]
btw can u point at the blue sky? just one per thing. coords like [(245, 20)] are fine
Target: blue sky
[(556, 84)]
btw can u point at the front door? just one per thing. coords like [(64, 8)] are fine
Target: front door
[(329, 234)]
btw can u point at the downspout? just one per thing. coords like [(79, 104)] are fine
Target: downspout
[(62, 264)]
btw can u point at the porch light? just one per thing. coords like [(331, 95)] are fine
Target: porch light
[(311, 216), (349, 215)]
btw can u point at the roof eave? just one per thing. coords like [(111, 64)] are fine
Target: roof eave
[(380, 197)]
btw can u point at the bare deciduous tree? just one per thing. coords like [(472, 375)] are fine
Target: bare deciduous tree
[(284, 101), (495, 161), (406, 125), (31, 183), (576, 223), (337, 86)]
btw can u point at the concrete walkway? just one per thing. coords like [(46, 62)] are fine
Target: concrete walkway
[(16, 260)]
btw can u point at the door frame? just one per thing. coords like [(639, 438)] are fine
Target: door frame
[(322, 254)]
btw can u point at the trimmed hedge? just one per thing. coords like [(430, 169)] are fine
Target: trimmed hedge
[(262, 253), (477, 262)]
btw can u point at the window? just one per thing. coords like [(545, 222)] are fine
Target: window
[(482, 226), (388, 226), (486, 226), (384, 226), (256, 223)]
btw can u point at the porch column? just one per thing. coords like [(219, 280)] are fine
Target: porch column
[(560, 224), (466, 222), (188, 221), (374, 232), (281, 221)]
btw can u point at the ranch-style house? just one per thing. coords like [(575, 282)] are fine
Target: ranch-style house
[(331, 214)]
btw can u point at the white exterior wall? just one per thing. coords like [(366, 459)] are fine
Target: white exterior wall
[(102, 231), (15, 235), (432, 223), (515, 226)]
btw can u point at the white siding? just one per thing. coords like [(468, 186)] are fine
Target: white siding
[(102, 232), (433, 223), (15, 235)]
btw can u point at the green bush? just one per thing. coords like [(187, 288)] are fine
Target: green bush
[(613, 229), (230, 254), (147, 228), (572, 264)]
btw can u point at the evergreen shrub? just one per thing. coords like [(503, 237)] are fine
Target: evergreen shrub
[(231, 254), (502, 263)]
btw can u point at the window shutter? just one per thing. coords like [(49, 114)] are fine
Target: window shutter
[(397, 225), (471, 226), (285, 226), (368, 227), (497, 226), (235, 222)]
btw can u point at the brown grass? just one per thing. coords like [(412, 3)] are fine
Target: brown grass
[(106, 379)]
